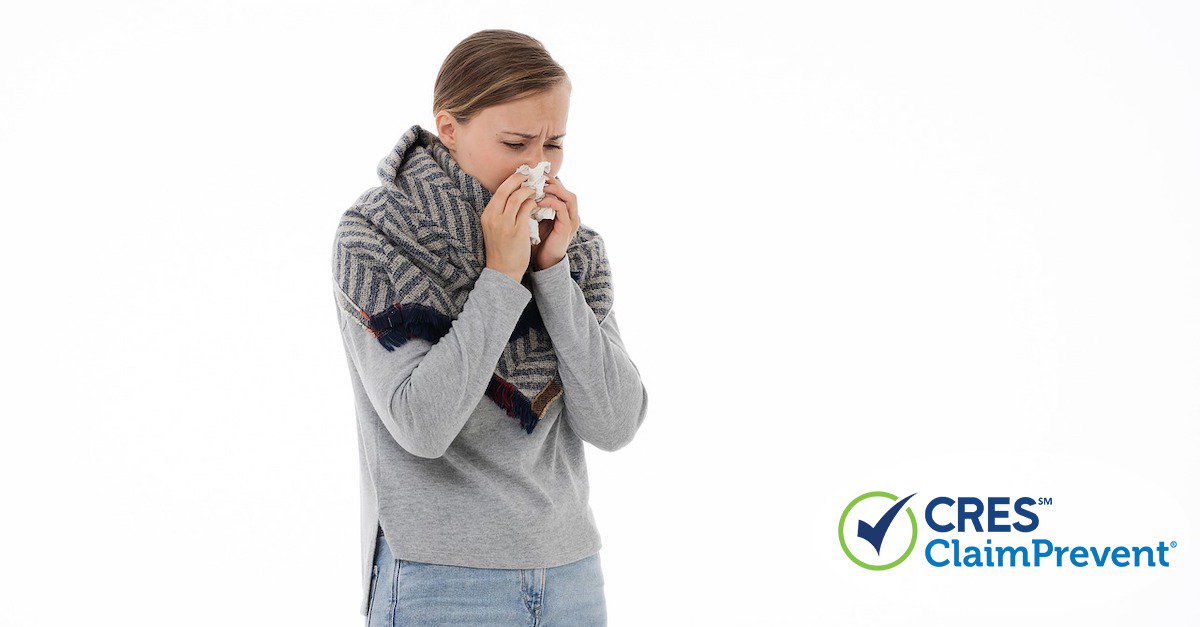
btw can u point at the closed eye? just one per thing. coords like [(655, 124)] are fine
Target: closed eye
[(519, 146)]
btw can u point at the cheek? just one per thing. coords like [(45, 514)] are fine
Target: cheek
[(497, 170)]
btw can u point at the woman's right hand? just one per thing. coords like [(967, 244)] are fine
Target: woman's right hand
[(506, 227)]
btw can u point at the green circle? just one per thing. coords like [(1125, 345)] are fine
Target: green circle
[(842, 536)]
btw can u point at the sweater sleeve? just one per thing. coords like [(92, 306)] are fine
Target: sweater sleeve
[(424, 392), (605, 400)]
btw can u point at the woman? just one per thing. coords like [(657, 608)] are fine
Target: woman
[(480, 360)]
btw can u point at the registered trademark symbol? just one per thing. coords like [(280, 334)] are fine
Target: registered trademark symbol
[(1174, 544)]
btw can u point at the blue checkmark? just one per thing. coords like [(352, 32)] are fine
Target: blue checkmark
[(874, 533)]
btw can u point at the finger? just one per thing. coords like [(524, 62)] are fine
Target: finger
[(514, 183), (516, 201), (558, 190), (511, 184), (573, 210), (527, 207), (556, 203), (565, 196)]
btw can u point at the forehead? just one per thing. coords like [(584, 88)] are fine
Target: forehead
[(532, 115)]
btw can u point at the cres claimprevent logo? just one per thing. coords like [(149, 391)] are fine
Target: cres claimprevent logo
[(878, 531)]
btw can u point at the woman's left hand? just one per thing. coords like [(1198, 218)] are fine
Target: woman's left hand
[(559, 232)]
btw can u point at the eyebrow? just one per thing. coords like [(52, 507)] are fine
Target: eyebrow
[(528, 136)]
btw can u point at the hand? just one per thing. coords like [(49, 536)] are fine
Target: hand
[(505, 223), (559, 232)]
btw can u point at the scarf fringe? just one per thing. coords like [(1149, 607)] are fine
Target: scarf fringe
[(397, 324), (513, 402)]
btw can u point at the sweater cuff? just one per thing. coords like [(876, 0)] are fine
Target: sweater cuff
[(556, 272), (508, 292)]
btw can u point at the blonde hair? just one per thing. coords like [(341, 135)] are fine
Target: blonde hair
[(492, 67)]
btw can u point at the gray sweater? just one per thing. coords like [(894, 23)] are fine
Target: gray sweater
[(447, 474)]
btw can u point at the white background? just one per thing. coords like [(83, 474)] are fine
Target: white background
[(945, 248)]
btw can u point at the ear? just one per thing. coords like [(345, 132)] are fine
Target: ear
[(444, 124)]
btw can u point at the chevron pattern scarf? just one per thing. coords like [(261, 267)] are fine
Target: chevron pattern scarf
[(408, 252)]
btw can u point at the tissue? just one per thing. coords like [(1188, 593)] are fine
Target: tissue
[(537, 180)]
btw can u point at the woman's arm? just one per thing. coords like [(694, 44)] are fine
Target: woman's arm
[(424, 392), (602, 388)]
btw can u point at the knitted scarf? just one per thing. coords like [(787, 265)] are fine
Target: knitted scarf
[(408, 252)]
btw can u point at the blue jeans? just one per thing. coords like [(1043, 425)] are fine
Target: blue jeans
[(404, 592)]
